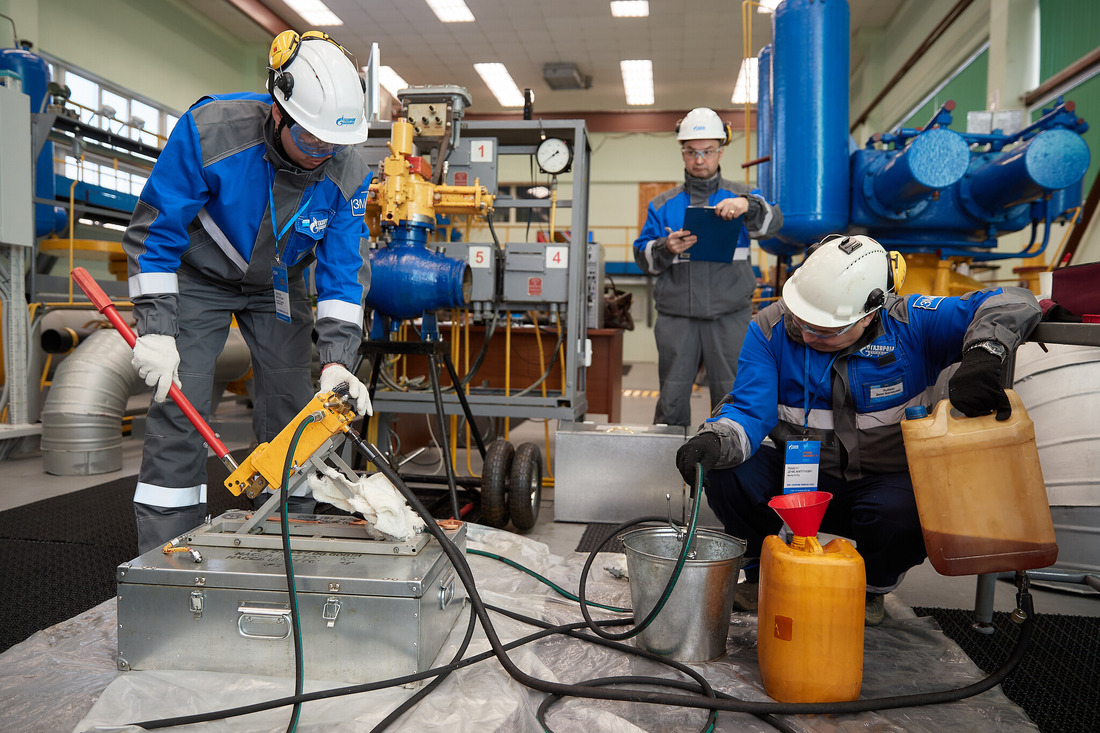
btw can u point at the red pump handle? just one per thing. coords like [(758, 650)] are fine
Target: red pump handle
[(104, 305)]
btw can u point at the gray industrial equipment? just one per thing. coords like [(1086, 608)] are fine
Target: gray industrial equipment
[(369, 609), (612, 473)]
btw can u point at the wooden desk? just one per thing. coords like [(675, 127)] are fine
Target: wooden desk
[(604, 378)]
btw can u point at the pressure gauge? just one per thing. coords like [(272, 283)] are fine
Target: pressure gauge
[(554, 156)]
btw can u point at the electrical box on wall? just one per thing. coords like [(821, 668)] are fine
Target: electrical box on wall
[(16, 210)]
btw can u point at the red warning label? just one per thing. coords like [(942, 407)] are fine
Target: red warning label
[(461, 178), (534, 286)]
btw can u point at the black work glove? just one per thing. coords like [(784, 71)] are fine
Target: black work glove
[(975, 388), (703, 448)]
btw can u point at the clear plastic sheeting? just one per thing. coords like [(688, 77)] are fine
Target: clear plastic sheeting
[(64, 678)]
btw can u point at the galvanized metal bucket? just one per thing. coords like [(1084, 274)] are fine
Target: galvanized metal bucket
[(693, 624)]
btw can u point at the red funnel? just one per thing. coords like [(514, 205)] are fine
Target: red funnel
[(802, 511)]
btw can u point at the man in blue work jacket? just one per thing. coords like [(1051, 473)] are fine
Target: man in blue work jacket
[(249, 190), (838, 359), (703, 307)]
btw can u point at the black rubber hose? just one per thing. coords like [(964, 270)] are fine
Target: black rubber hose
[(462, 569), (427, 689), (499, 650)]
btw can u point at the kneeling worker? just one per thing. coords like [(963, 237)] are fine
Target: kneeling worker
[(838, 359)]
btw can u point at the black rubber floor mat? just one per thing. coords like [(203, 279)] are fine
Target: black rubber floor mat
[(594, 534), (1058, 681), (60, 554)]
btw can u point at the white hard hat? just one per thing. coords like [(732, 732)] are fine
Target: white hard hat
[(317, 85), (841, 281), (703, 123)]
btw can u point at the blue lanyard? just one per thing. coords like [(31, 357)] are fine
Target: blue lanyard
[(290, 222), (817, 385)]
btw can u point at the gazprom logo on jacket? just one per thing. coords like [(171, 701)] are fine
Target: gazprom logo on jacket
[(313, 223), (341, 121), (927, 302)]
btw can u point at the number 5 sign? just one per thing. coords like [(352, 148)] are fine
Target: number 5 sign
[(480, 256)]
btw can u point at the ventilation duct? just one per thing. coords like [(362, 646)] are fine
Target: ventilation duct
[(565, 76)]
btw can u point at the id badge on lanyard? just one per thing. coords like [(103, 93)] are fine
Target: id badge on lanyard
[(801, 462), (279, 279), (282, 291)]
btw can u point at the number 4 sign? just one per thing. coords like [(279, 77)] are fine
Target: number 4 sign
[(557, 257)]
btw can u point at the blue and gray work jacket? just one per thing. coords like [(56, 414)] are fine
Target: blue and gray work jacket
[(854, 400), (705, 290), (206, 211)]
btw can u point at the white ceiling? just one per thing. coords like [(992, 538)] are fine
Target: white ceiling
[(696, 45)]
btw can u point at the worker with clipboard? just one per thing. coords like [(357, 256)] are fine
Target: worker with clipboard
[(705, 281)]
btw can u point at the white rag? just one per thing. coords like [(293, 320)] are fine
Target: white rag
[(374, 496)]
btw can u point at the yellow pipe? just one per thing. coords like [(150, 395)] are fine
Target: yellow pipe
[(545, 423), (72, 226)]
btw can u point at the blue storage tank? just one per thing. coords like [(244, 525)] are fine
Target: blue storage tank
[(764, 121), (809, 99), (34, 73), (764, 146)]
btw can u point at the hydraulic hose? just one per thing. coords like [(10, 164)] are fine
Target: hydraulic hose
[(462, 569), (499, 650)]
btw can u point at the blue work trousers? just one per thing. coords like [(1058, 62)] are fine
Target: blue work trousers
[(877, 513)]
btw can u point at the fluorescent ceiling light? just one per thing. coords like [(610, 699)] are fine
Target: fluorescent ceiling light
[(630, 8), (391, 81), (500, 83), (451, 11), (314, 12), (745, 89), (638, 80), (767, 6)]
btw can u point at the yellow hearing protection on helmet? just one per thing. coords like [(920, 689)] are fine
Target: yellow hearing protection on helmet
[(285, 46), (897, 270)]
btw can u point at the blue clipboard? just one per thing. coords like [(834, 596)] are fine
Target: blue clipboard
[(716, 237)]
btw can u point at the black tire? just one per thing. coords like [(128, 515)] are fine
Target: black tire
[(525, 486), (494, 478)]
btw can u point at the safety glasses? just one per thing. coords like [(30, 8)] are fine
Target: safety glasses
[(822, 333), (700, 154), (310, 144)]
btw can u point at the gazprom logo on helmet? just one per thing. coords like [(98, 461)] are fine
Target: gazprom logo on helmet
[(341, 121), (699, 128)]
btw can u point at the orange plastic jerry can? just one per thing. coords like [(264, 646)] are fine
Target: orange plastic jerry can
[(810, 617), (979, 490)]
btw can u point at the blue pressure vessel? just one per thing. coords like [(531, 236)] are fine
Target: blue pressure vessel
[(34, 74), (1050, 160), (810, 110), (764, 121)]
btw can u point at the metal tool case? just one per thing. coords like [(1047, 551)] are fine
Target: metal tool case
[(612, 473), (369, 609)]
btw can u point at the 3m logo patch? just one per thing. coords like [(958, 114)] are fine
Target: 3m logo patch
[(927, 302), (359, 204)]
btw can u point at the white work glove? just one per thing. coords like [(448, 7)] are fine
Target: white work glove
[(333, 375), (157, 362)]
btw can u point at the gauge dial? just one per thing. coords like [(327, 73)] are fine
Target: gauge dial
[(554, 156)]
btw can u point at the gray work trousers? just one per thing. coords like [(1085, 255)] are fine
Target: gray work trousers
[(174, 454), (684, 343)]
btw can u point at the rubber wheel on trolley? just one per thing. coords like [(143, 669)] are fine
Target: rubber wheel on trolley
[(525, 486), (494, 479)]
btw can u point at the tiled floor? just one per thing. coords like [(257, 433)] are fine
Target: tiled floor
[(24, 481)]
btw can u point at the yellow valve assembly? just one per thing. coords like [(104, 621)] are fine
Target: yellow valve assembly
[(406, 192), (810, 618), (264, 466)]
